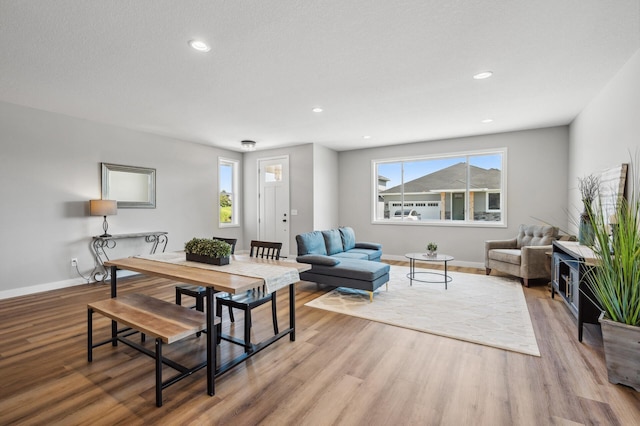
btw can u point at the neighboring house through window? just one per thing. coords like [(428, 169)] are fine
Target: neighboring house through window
[(462, 188), (228, 192)]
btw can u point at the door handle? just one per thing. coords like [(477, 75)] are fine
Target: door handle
[(284, 220)]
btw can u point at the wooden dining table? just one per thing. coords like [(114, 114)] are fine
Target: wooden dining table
[(214, 281)]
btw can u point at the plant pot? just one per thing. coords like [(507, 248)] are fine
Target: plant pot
[(621, 349), (432, 253), (207, 259)]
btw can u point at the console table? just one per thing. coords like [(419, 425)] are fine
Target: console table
[(99, 246), (571, 263)]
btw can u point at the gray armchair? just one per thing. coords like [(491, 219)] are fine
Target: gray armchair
[(523, 256)]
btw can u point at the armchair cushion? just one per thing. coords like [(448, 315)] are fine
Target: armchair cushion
[(536, 235), (512, 256)]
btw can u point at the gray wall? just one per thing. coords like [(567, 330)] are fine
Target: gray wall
[(537, 188), (325, 188), (50, 168), (300, 190), (607, 132)]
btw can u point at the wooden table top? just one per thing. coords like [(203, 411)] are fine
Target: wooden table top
[(221, 281)]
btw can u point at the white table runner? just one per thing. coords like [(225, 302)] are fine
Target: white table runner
[(275, 276)]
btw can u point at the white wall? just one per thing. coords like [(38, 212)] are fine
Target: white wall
[(537, 188), (50, 168), (325, 188), (607, 132)]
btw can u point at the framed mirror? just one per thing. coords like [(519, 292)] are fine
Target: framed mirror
[(132, 187)]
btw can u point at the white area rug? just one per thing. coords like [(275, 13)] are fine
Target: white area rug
[(481, 309)]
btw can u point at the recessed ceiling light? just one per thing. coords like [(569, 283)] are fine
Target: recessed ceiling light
[(366, 137), (200, 46), (487, 120), (483, 75), (317, 109)]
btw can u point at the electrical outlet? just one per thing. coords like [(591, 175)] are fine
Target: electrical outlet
[(74, 261)]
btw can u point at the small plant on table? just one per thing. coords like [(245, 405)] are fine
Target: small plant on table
[(208, 250)]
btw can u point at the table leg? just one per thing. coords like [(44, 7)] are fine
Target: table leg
[(446, 277), (412, 270), (292, 312), (211, 344), (114, 325)]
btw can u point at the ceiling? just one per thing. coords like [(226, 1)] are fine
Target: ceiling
[(397, 71)]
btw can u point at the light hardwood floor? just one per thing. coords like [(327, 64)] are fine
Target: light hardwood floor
[(340, 370)]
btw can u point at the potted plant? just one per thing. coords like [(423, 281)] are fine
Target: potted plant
[(432, 249), (205, 250), (615, 283), (589, 187)]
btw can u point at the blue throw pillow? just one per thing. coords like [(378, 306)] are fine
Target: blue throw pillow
[(311, 243), (333, 241), (348, 237)]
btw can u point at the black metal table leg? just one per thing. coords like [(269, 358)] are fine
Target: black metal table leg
[(446, 279), (114, 324), (412, 266), (292, 312), (90, 335), (158, 372), (211, 343)]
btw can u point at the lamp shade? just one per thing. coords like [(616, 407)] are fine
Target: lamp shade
[(103, 207)]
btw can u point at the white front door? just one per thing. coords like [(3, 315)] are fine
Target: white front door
[(273, 195)]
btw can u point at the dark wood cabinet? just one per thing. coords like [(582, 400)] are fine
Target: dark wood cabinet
[(570, 265)]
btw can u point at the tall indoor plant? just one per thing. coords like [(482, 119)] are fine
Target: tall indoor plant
[(615, 283)]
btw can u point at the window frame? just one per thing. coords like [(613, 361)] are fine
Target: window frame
[(235, 188), (468, 156)]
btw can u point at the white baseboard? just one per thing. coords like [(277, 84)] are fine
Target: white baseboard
[(461, 263), (39, 288), (23, 291)]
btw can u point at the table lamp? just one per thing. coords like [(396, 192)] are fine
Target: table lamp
[(103, 208)]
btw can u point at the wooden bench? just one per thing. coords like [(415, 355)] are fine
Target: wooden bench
[(164, 321)]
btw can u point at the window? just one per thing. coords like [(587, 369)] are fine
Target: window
[(228, 192), (493, 201), (464, 188)]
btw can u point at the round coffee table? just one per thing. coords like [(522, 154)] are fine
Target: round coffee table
[(424, 257)]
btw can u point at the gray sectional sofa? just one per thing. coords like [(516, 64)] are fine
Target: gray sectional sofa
[(336, 259)]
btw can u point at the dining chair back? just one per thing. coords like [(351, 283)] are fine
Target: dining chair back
[(265, 249), (252, 298)]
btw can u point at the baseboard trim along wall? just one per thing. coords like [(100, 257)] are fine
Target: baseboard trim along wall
[(39, 288), (453, 262), (24, 291)]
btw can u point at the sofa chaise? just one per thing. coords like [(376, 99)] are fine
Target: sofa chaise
[(336, 259)]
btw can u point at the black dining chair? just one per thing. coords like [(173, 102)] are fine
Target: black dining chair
[(252, 298), (199, 292)]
